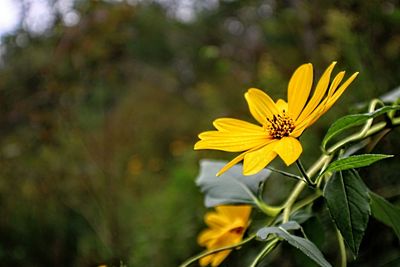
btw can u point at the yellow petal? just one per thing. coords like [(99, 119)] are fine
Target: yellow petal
[(230, 141), (231, 163), (298, 130), (206, 260), (233, 212), (289, 149), (299, 89), (335, 83), (234, 125), (261, 105), (320, 110), (282, 105), (330, 100), (255, 161), (319, 92), (215, 220), (219, 258), (341, 89), (239, 158), (208, 235)]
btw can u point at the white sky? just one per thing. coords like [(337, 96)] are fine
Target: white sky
[(9, 15), (38, 17), (39, 14)]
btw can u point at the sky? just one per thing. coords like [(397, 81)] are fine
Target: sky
[(39, 14), (9, 16)]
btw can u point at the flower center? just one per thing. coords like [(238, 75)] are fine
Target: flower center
[(280, 126)]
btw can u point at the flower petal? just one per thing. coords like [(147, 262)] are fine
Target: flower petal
[(230, 141), (234, 125), (206, 260), (289, 149), (320, 110), (330, 100), (215, 220), (282, 105), (208, 235), (341, 89), (335, 83), (231, 163), (239, 158), (219, 257), (319, 92), (234, 212), (256, 160), (261, 106), (299, 89)]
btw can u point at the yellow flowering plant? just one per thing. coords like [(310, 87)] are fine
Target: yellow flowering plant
[(281, 123), (226, 227), (333, 176)]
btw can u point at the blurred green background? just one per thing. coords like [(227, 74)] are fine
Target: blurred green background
[(99, 112)]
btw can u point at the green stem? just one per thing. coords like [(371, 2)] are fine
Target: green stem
[(267, 249), (308, 200), (301, 185), (303, 172), (209, 252), (360, 135), (267, 209), (288, 174), (292, 198), (343, 255), (320, 163)]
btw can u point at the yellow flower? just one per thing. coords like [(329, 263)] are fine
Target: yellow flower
[(281, 122), (226, 227)]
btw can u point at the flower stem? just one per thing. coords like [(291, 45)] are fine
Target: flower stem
[(343, 255), (308, 200), (267, 209), (209, 252), (301, 185), (287, 174), (303, 172), (291, 199), (361, 135), (267, 249)]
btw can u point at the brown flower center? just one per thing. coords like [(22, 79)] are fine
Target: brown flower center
[(280, 126)]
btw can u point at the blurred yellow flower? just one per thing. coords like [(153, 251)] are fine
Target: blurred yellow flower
[(226, 227), (281, 122)]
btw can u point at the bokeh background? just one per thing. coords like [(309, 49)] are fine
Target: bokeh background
[(101, 103)]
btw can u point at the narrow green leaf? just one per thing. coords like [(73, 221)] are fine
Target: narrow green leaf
[(356, 161), (232, 187), (353, 120), (385, 212), (348, 204), (305, 245), (264, 232)]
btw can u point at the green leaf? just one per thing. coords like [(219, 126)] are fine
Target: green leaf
[(385, 212), (353, 120), (348, 203), (232, 187), (356, 161), (305, 245), (263, 233)]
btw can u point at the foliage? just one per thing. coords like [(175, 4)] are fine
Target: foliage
[(347, 198)]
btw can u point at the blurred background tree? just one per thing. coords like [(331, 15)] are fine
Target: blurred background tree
[(100, 108)]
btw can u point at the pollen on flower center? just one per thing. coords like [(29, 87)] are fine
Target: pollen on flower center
[(280, 126)]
